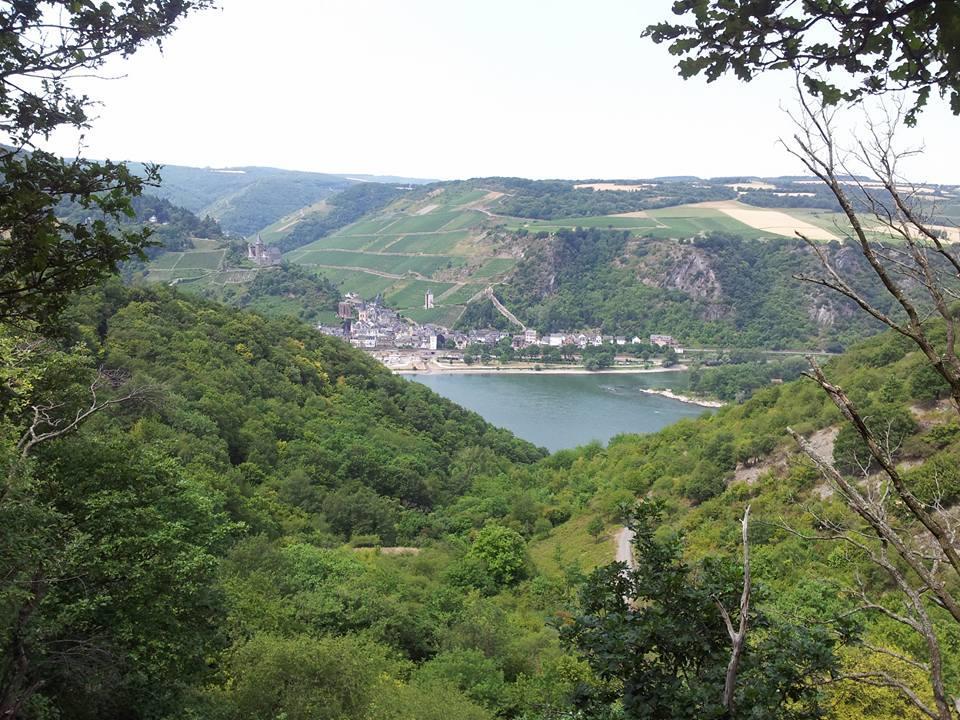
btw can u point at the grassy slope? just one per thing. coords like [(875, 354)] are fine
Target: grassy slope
[(449, 235), (433, 240), (452, 234)]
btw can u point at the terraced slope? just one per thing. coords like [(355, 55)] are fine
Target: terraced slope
[(443, 240), (455, 240)]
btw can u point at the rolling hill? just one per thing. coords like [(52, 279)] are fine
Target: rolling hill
[(247, 199), (459, 238), (699, 259)]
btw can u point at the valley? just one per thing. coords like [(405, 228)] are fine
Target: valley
[(668, 257), (280, 444)]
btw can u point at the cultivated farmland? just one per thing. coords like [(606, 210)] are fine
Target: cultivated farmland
[(438, 241), (454, 239)]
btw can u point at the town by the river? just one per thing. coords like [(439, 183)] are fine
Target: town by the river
[(561, 411)]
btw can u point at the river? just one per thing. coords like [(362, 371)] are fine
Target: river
[(563, 411)]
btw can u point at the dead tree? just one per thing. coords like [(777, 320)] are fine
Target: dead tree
[(917, 267), (53, 420), (738, 636), (47, 420), (918, 270)]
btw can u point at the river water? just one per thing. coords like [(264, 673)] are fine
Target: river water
[(563, 411)]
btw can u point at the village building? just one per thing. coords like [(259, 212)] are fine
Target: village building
[(664, 341), (371, 325), (262, 255)]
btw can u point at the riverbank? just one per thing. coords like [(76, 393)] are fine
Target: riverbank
[(516, 369), (683, 398)]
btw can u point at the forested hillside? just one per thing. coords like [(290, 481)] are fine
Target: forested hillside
[(225, 491), (714, 290), (697, 477), (246, 453), (244, 199)]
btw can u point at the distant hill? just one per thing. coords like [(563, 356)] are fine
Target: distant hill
[(247, 199), (244, 199), (393, 179), (667, 256)]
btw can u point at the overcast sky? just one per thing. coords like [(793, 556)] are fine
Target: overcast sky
[(447, 89)]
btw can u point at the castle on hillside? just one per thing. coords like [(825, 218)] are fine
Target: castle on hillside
[(263, 255), (428, 300)]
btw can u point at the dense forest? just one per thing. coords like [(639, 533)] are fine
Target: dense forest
[(250, 439), (552, 199), (712, 290), (245, 488), (282, 290), (244, 200)]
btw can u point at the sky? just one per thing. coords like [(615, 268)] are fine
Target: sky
[(447, 89)]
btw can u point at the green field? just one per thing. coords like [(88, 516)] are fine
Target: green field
[(201, 260), (950, 210), (181, 266), (367, 227), (468, 219), (687, 221), (166, 261), (396, 264), (495, 266), (430, 222), (461, 295), (446, 316), (438, 243), (344, 242), (464, 198), (377, 243), (364, 284), (206, 243), (409, 294), (599, 221)]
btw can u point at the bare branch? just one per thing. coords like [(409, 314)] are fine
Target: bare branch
[(738, 637), (46, 425)]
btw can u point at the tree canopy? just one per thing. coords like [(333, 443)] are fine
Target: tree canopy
[(45, 44), (883, 45)]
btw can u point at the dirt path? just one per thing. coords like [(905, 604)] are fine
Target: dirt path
[(379, 273), (369, 271), (391, 254), (501, 309), (450, 291), (381, 233)]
